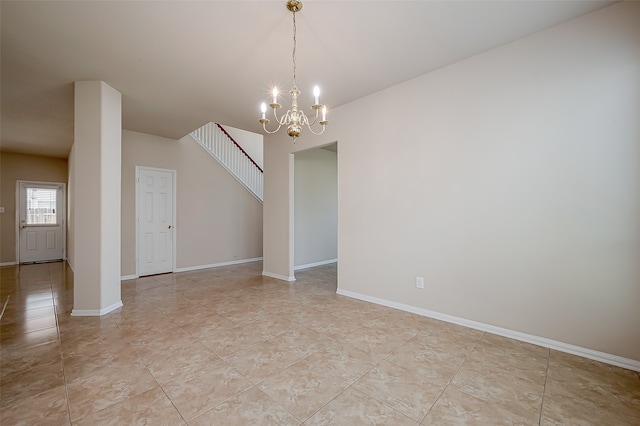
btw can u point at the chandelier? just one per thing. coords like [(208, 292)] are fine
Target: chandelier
[(294, 118)]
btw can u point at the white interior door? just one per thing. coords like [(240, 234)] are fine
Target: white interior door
[(41, 221), (155, 221)]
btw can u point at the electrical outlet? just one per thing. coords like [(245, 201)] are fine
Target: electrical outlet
[(419, 282)]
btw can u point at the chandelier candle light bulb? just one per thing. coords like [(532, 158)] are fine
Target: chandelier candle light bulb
[(294, 118)]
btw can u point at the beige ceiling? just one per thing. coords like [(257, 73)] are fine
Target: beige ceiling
[(183, 63)]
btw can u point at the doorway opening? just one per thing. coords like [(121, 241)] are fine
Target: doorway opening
[(316, 207)]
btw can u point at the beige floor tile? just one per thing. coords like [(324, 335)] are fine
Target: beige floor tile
[(376, 342), (353, 407), (508, 354), (588, 390), (20, 315), (259, 361), (165, 340), (458, 408), (194, 313), (326, 324), (451, 341), (521, 396), (301, 342), (584, 375), (401, 389), (26, 325), (305, 339), (34, 338), (436, 364), (180, 362), (95, 343), (151, 408), (204, 389), (394, 325), (224, 343), (105, 386), (25, 383), (27, 358), (81, 367), (302, 389), (251, 407), (211, 324), (46, 408), (343, 360), (561, 408)]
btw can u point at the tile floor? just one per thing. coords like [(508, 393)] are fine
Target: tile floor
[(227, 346)]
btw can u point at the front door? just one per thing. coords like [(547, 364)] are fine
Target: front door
[(41, 221), (155, 221)]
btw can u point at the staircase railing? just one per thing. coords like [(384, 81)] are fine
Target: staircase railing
[(215, 139)]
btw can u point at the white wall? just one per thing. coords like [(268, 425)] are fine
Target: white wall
[(315, 207), (218, 220), (252, 143), (509, 181)]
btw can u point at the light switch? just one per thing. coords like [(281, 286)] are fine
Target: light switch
[(1, 209)]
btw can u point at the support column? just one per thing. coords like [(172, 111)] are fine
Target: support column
[(96, 198)]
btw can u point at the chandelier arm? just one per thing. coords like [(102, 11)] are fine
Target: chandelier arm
[(264, 127), (275, 114), (286, 119), (315, 119), (317, 133), (304, 120)]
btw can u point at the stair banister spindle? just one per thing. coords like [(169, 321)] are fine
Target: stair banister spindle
[(215, 139)]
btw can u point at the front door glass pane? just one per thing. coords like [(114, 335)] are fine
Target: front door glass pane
[(41, 206)]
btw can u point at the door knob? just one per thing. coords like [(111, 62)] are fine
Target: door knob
[(169, 227)]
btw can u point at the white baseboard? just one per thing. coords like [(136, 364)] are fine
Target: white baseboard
[(217, 265), (8, 263), (95, 312), (129, 277), (314, 264), (279, 277), (618, 361)]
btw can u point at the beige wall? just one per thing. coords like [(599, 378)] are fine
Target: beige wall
[(218, 220), (15, 167), (509, 181), (95, 226), (71, 210)]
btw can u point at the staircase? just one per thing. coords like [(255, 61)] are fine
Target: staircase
[(217, 142)]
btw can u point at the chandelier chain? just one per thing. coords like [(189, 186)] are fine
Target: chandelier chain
[(294, 49)]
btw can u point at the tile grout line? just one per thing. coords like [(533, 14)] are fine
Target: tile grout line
[(466, 357), (150, 372), (5, 305), (60, 351), (544, 389)]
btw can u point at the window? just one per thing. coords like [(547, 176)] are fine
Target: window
[(41, 206)]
